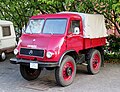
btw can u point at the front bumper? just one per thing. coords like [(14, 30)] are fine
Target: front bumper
[(27, 62)]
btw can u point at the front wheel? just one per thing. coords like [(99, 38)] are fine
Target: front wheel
[(28, 73), (94, 61), (66, 72)]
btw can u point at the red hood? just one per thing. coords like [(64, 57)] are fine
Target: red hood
[(39, 40)]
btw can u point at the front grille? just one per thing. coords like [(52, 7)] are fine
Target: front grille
[(32, 52)]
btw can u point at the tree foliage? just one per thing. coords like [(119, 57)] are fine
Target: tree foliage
[(19, 11), (109, 8)]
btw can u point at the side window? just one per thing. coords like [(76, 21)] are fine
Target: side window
[(6, 31), (74, 23)]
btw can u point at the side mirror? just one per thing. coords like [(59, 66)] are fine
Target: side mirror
[(76, 30)]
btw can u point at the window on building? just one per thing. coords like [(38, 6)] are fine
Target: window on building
[(6, 31)]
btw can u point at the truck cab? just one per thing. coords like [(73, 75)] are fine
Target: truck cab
[(7, 38), (53, 36), (56, 41)]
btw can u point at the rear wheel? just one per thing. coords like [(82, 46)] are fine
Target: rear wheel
[(2, 56), (28, 73), (94, 61), (66, 72)]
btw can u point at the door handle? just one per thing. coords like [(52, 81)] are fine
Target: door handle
[(69, 36)]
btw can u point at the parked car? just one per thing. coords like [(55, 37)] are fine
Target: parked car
[(60, 41), (7, 38)]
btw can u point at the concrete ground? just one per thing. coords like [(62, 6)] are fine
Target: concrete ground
[(108, 80)]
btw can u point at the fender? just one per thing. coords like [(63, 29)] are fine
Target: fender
[(60, 60)]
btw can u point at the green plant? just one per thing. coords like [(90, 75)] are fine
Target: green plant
[(112, 49)]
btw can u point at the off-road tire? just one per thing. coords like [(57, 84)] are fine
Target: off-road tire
[(65, 74), (94, 61), (28, 73)]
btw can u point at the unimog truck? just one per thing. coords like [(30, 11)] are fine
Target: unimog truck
[(60, 41)]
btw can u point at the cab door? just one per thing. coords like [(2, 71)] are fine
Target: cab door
[(75, 36)]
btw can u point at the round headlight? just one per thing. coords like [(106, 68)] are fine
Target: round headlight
[(49, 54), (15, 51)]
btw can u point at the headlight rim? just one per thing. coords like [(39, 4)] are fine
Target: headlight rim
[(49, 54), (16, 51)]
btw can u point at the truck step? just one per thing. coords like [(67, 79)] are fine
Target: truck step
[(85, 64)]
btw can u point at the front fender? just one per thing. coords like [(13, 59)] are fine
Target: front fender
[(65, 53)]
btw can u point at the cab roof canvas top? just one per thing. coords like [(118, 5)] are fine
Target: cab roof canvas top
[(93, 25), (4, 22)]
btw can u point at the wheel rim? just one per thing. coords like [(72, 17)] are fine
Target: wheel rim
[(68, 70), (3, 56), (96, 61)]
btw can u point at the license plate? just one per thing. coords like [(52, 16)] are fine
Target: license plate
[(34, 65)]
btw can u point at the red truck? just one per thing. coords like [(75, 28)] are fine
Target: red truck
[(60, 41)]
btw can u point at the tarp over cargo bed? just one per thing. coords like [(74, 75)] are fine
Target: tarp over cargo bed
[(93, 25)]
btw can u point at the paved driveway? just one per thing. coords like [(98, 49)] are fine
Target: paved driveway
[(108, 80)]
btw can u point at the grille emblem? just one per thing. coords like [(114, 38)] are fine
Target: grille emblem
[(33, 40), (30, 52)]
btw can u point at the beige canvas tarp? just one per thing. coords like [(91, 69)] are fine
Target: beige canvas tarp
[(93, 25)]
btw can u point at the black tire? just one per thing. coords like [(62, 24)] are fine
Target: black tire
[(66, 72), (50, 68), (28, 73), (101, 50), (102, 56), (2, 56), (94, 61)]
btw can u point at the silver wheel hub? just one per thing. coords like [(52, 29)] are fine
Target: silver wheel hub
[(3, 56), (69, 71)]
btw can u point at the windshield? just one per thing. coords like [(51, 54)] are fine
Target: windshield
[(35, 26), (54, 26), (51, 26)]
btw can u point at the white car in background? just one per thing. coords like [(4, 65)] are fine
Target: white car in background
[(7, 38)]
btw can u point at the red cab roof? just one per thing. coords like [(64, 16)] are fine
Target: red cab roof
[(58, 15)]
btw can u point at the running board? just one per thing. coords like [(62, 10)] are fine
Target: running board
[(85, 64)]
